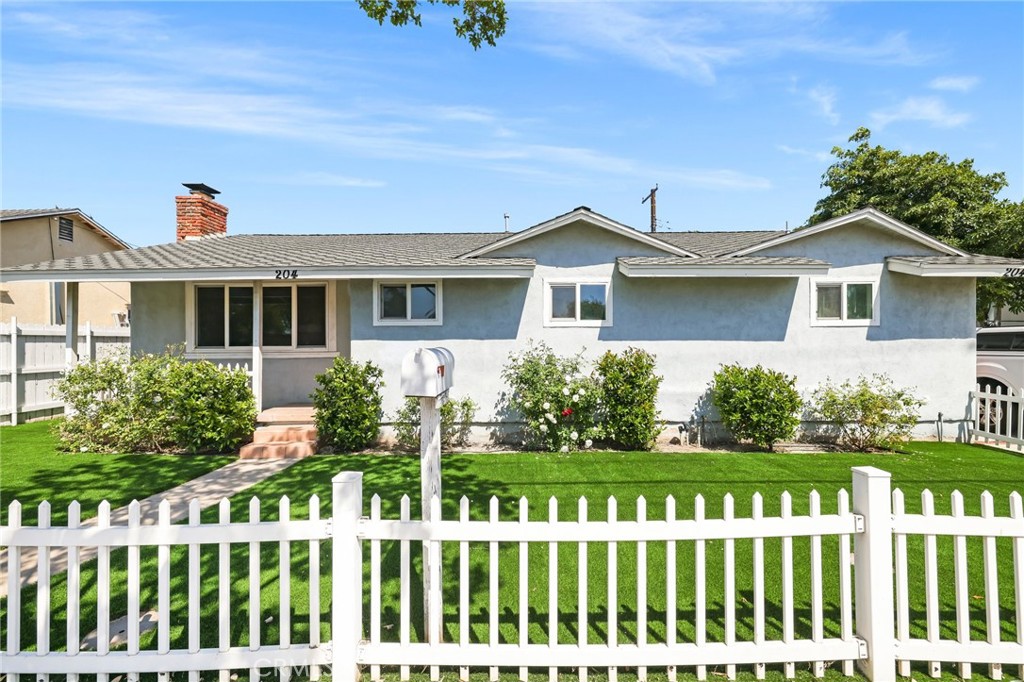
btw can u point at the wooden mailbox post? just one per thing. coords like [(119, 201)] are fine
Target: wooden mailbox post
[(427, 375)]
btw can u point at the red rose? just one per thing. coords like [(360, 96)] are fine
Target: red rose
[(566, 412)]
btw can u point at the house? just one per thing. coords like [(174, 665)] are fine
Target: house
[(51, 234), (860, 294)]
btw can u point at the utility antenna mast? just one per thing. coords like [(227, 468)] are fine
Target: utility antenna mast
[(654, 207)]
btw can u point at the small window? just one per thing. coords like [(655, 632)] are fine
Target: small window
[(411, 303), (844, 303), (295, 316), (575, 304), (66, 229), (213, 326)]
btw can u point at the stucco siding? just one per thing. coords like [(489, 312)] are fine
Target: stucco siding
[(158, 316)]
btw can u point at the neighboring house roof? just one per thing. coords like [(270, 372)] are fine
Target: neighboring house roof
[(246, 256), (870, 215), (581, 213), (27, 213)]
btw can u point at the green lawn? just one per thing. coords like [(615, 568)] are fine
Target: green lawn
[(940, 467), (33, 470)]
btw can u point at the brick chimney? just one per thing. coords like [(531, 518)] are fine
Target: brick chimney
[(198, 214)]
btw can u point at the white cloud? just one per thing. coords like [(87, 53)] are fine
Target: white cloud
[(930, 110), (825, 98), (696, 41), (325, 179), (954, 83), (807, 153)]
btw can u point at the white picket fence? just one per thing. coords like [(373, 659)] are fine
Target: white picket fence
[(32, 360), (531, 634), (998, 416)]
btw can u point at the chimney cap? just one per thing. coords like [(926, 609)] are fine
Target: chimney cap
[(200, 188)]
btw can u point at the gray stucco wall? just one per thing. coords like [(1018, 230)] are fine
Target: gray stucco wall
[(925, 337)]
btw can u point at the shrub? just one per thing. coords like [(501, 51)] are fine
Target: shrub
[(756, 404), (629, 390), (868, 413), (155, 403), (556, 401), (348, 404), (456, 420)]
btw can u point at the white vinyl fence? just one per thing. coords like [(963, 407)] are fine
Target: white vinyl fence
[(32, 360), (998, 416), (248, 595)]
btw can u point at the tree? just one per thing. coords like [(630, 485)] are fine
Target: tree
[(483, 21), (947, 200)]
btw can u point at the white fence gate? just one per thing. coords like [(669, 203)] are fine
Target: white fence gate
[(998, 416), (199, 563), (32, 360)]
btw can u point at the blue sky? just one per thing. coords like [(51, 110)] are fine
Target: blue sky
[(309, 117)]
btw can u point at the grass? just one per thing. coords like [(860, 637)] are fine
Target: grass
[(939, 467), (32, 469)]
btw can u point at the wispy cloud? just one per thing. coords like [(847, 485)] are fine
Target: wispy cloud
[(931, 110), (324, 179), (696, 42), (825, 98), (954, 83), (806, 153)]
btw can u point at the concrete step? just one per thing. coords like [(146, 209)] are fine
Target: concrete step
[(292, 449), (284, 434)]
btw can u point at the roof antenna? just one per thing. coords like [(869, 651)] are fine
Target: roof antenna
[(506, 222), (654, 209), (787, 227)]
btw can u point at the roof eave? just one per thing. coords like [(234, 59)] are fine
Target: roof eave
[(947, 269), (732, 271), (85, 217), (263, 274)]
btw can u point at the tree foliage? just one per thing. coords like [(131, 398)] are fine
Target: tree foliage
[(482, 21), (948, 200)]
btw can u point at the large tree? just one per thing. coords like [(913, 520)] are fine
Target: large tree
[(483, 21), (948, 200)]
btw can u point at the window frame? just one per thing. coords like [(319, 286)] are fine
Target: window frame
[(550, 282), (191, 328), (408, 321), (843, 320)]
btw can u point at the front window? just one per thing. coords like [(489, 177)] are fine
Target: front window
[(292, 316), (578, 303), (844, 303), (411, 303)]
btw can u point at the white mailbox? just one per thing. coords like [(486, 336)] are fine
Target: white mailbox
[(427, 372)]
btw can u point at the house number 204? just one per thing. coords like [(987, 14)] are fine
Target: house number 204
[(286, 274)]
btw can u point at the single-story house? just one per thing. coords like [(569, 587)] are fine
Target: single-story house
[(860, 294)]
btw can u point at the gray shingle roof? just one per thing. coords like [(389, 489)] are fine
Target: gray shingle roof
[(722, 260), (262, 251), (13, 213), (712, 244), (960, 260)]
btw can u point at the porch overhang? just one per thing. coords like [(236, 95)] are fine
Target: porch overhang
[(956, 266), (721, 267)]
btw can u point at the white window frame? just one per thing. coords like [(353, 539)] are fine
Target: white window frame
[(578, 281), (843, 321), (192, 350), (378, 321)]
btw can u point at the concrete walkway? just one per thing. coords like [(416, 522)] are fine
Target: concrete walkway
[(209, 489)]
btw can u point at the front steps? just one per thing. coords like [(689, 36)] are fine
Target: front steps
[(282, 432)]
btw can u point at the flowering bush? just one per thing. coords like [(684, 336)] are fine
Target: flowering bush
[(456, 421), (868, 413), (557, 401)]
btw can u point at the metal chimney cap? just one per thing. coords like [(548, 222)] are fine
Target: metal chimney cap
[(200, 188)]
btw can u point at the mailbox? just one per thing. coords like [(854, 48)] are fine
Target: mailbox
[(427, 372)]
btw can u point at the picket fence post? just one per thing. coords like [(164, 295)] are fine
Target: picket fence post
[(347, 579), (14, 370), (873, 572)]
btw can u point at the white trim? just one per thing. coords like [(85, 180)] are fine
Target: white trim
[(686, 270), (438, 319), (945, 269), (578, 281), (250, 274), (193, 351), (842, 321), (871, 215), (585, 215)]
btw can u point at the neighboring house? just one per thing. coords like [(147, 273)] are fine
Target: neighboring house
[(52, 234), (859, 294)]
